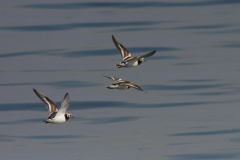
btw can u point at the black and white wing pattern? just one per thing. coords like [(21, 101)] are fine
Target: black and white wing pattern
[(64, 105), (148, 54), (51, 116), (115, 79), (123, 51), (131, 84), (51, 106)]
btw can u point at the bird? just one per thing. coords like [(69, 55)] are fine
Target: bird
[(122, 85), (128, 59), (55, 116)]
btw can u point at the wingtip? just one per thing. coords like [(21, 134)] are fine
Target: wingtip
[(113, 38), (66, 95), (106, 76), (35, 91), (153, 52)]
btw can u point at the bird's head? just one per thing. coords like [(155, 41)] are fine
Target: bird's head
[(69, 115), (142, 60)]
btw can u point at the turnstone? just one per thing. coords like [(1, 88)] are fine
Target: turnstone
[(55, 115), (128, 59), (121, 84)]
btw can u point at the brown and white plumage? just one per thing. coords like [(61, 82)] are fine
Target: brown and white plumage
[(51, 106), (128, 59), (123, 51), (115, 79), (55, 115), (122, 85)]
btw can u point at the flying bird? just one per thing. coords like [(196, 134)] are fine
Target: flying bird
[(128, 59), (55, 116), (122, 85)]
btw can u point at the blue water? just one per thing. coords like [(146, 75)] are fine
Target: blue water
[(191, 108)]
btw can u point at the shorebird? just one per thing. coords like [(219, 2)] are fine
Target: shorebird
[(122, 85), (55, 115), (128, 59)]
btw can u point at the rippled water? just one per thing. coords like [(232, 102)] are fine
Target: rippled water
[(191, 110)]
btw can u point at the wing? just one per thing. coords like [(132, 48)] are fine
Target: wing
[(115, 79), (64, 105), (51, 116), (148, 54), (51, 106), (123, 51), (129, 59), (131, 84)]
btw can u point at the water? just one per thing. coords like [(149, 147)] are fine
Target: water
[(191, 110)]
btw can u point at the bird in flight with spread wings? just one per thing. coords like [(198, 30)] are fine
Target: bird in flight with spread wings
[(55, 115), (128, 59), (122, 85)]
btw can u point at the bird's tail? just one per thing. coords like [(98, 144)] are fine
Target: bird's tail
[(45, 121), (119, 65)]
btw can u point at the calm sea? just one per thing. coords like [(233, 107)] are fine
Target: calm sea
[(191, 110)]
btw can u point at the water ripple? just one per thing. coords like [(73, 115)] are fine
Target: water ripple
[(207, 133), (204, 156), (203, 27), (112, 120), (76, 105), (71, 26), (90, 53), (129, 5), (57, 84), (26, 53), (180, 87), (110, 52), (233, 45), (12, 138), (22, 121)]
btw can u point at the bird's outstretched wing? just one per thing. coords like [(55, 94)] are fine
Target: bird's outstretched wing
[(123, 51), (115, 79), (148, 54), (51, 106), (64, 105), (131, 84)]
